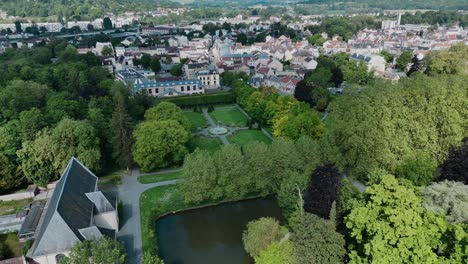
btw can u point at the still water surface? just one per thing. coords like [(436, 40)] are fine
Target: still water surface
[(211, 235)]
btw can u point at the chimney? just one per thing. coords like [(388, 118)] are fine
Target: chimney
[(399, 19)]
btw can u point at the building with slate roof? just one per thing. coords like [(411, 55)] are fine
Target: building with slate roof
[(141, 84), (77, 211)]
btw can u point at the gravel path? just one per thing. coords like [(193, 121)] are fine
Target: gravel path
[(130, 227), (223, 138)]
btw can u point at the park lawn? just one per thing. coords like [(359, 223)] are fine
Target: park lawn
[(12, 207), (245, 137), (230, 116), (160, 177), (206, 143), (12, 246), (196, 119)]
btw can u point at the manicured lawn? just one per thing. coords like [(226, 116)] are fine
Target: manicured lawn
[(206, 143), (113, 178), (245, 137), (196, 120), (153, 204), (11, 207), (160, 177), (11, 244), (229, 116)]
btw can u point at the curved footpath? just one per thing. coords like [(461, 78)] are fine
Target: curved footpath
[(130, 227)]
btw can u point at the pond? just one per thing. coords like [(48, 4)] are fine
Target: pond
[(211, 235)]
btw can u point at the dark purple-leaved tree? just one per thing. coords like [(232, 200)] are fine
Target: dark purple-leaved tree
[(455, 168), (323, 190)]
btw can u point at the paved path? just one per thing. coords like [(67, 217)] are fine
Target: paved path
[(212, 123), (130, 226)]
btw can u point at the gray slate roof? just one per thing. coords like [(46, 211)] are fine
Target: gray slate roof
[(68, 211)]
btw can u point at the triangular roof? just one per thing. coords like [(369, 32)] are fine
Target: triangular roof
[(68, 211)]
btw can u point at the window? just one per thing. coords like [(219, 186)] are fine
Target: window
[(156, 90), (194, 87), (188, 88), (200, 87), (214, 82), (150, 91), (182, 88)]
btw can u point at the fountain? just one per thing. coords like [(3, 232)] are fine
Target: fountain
[(218, 130)]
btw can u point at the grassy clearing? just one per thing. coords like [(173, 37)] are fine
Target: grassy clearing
[(197, 120), (206, 143), (245, 137), (12, 207), (113, 178), (160, 177), (12, 246), (231, 116)]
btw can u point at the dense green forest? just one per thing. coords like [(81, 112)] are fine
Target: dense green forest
[(79, 8), (51, 111)]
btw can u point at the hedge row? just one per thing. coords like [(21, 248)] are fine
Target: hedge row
[(202, 99)]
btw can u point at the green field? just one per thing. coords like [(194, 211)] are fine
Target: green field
[(160, 177), (245, 137), (231, 116), (196, 119), (206, 143)]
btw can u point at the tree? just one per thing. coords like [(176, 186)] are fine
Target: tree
[(200, 178), (159, 144), (121, 124), (107, 51), (18, 27), (260, 234), (155, 64), (104, 251), (19, 96), (417, 167), (145, 61), (391, 226), (449, 198), (452, 61), (165, 111), (277, 253), (242, 38), (387, 56), (316, 40), (293, 126), (365, 141), (323, 191), (176, 69), (10, 171), (46, 157), (107, 23), (455, 167), (316, 241), (31, 122), (149, 258), (403, 60)]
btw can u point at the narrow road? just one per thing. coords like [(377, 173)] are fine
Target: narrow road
[(130, 228)]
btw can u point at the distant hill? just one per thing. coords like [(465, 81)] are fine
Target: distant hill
[(78, 8), (395, 4)]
